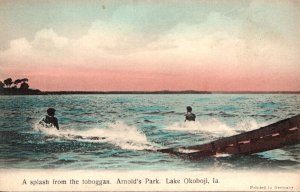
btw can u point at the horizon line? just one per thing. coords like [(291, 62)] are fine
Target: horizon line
[(167, 92)]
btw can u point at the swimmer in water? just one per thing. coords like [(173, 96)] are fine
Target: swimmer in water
[(49, 120), (189, 116)]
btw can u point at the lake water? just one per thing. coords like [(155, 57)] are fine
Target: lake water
[(130, 126)]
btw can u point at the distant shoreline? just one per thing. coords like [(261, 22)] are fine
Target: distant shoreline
[(125, 92), (37, 92), (168, 92)]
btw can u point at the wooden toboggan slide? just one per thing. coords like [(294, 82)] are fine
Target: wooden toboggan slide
[(283, 133)]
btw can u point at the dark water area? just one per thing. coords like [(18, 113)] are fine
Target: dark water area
[(129, 128)]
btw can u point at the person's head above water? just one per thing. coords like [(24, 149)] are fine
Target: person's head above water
[(189, 109), (51, 111)]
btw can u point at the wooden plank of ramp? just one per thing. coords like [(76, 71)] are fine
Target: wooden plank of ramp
[(282, 133)]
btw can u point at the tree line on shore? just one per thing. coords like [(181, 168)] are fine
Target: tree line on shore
[(16, 87)]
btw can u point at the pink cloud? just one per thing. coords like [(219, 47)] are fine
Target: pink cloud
[(188, 57)]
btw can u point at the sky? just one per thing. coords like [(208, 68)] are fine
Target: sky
[(151, 45)]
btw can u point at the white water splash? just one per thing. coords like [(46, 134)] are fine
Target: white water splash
[(249, 124), (215, 127), (119, 134), (211, 126), (127, 137)]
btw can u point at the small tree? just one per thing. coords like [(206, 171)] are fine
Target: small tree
[(8, 82), (17, 81), (24, 86), (1, 84)]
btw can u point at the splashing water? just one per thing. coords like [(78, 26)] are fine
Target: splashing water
[(211, 126), (118, 134), (249, 124), (126, 137)]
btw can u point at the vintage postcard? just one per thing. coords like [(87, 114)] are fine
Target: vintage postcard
[(196, 95)]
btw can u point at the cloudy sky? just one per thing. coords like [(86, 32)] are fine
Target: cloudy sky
[(97, 45)]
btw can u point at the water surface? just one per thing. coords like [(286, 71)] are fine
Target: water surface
[(130, 126)]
